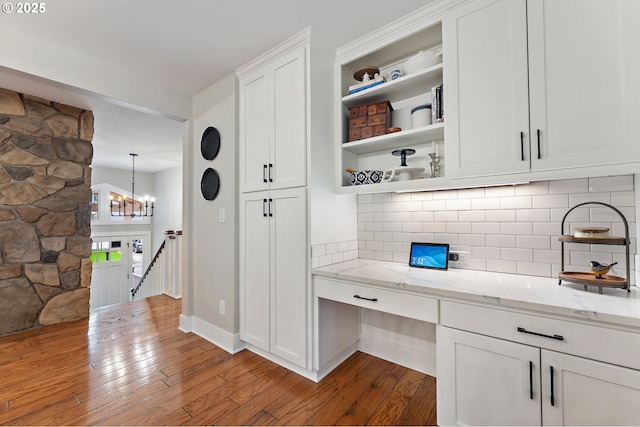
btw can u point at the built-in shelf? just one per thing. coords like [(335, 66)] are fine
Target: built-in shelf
[(395, 90), (395, 140)]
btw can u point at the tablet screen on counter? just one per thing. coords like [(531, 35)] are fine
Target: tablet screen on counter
[(429, 255)]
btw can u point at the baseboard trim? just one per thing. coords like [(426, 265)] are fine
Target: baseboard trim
[(229, 342), (336, 361), (410, 357), (312, 375)]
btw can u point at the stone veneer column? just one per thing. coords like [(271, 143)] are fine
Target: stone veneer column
[(45, 212)]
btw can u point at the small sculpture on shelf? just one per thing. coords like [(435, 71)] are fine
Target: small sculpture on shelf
[(599, 269)]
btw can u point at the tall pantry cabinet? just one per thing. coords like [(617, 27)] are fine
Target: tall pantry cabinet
[(539, 85), (276, 143)]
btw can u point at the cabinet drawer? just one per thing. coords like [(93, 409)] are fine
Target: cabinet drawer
[(388, 301), (594, 342)]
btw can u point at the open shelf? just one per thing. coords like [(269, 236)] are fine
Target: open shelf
[(396, 140), (595, 240), (395, 90)]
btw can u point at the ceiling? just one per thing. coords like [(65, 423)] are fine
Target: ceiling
[(183, 45)]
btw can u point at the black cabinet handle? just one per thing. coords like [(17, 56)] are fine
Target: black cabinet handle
[(538, 133), (368, 299), (270, 203), (270, 169), (264, 207), (264, 173), (553, 399), (553, 337), (530, 380), (522, 146)]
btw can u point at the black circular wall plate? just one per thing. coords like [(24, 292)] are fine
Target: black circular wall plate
[(210, 184), (210, 143)]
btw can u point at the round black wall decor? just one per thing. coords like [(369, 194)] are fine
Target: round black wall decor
[(210, 184), (210, 143)]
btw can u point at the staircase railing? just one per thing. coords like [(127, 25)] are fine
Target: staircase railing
[(162, 276)]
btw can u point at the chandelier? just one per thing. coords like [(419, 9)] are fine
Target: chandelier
[(134, 208)]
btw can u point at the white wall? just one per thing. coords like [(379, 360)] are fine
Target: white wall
[(168, 194), (122, 178), (212, 246)]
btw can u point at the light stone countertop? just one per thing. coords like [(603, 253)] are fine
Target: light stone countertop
[(542, 294)]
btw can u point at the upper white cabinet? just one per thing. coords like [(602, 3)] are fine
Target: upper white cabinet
[(273, 124), (541, 85)]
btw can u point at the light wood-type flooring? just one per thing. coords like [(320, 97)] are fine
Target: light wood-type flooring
[(129, 364)]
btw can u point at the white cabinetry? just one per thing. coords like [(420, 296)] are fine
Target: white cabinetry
[(273, 124), (389, 48), (273, 294), (568, 103), (520, 373)]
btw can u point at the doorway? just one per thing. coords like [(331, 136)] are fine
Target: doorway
[(118, 262)]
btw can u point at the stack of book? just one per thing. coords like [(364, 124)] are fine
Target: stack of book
[(437, 104)]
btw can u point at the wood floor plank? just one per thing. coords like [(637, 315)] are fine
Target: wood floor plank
[(390, 410), (130, 364)]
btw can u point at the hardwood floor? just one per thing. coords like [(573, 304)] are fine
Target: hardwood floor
[(130, 365)]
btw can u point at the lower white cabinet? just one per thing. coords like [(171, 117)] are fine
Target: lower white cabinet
[(273, 272), (484, 380)]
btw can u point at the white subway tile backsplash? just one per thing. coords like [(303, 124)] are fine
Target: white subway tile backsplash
[(486, 203), (502, 266), (516, 202), (501, 241), (458, 205), (514, 254), (502, 215), (516, 228), (532, 215), (502, 191), (449, 216), (611, 183), (485, 228), (576, 199), (541, 187), (458, 227), (551, 201), (472, 216), (433, 205), (533, 242), (569, 186), (512, 229)]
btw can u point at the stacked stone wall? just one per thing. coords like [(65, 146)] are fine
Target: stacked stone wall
[(45, 212)]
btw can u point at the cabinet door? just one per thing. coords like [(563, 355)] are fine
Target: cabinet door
[(585, 96), (254, 269), (289, 275), (586, 392), (486, 381), (485, 80), (289, 117), (255, 131)]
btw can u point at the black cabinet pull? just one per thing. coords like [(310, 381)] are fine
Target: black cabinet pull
[(553, 337), (270, 169), (530, 380), (270, 203), (368, 299), (538, 133), (553, 399), (264, 173), (264, 207), (522, 146)]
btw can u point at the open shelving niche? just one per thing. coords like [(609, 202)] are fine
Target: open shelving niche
[(403, 93), (589, 279)]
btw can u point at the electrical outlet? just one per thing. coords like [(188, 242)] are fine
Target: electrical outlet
[(462, 256), (221, 215), (222, 307)]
